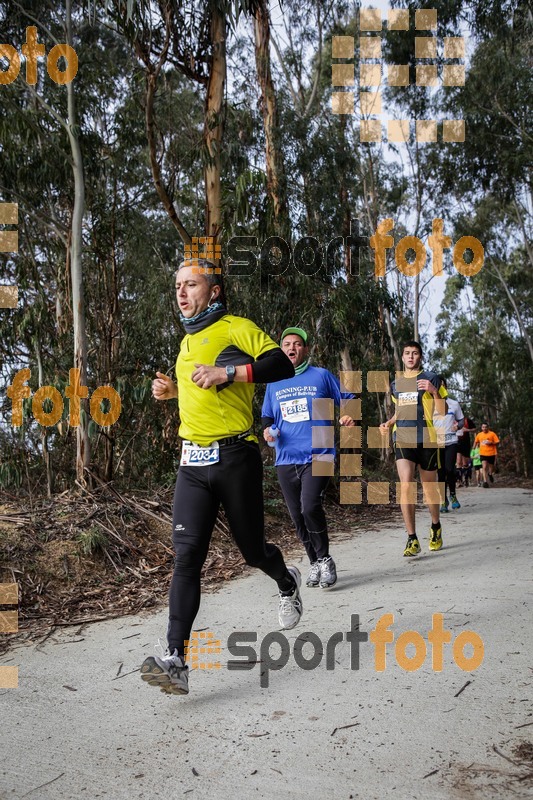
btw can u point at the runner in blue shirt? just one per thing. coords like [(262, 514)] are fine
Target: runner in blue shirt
[(288, 405)]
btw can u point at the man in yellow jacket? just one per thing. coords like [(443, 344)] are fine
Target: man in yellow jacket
[(221, 358)]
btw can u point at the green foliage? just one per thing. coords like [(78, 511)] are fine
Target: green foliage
[(92, 541), (10, 475), (131, 248)]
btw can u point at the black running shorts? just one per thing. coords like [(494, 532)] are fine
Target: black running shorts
[(427, 458), (490, 459), (463, 445)]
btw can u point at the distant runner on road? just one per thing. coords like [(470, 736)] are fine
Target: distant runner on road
[(477, 464), (463, 450), (416, 394), (448, 427), (488, 442)]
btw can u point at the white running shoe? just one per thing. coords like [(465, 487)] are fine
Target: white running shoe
[(328, 573), (313, 579), (291, 606), (166, 670)]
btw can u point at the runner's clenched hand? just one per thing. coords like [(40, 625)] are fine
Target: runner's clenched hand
[(163, 387), (205, 376), (426, 386), (267, 436)]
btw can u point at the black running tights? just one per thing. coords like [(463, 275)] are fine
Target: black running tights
[(446, 472), (236, 482), (304, 495)]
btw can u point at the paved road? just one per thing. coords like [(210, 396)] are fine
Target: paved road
[(83, 725)]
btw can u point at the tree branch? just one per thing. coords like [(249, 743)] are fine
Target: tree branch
[(287, 74), (152, 75), (319, 63)]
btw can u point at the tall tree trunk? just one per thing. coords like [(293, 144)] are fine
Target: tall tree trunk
[(110, 327), (151, 87), (346, 359), (44, 431), (416, 309), (153, 70), (109, 453), (214, 124), (83, 450), (385, 319), (384, 313), (63, 299), (419, 199), (275, 171), (524, 450), (527, 238)]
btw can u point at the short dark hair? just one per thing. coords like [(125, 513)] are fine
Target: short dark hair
[(412, 343), (211, 272)]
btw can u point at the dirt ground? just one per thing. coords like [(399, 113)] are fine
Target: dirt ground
[(82, 723), (85, 557)]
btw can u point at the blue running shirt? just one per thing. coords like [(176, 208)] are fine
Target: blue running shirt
[(290, 404)]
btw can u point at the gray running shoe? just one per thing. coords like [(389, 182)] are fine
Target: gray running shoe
[(328, 573), (313, 579), (291, 606), (167, 671)]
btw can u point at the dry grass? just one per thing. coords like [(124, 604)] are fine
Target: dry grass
[(99, 554)]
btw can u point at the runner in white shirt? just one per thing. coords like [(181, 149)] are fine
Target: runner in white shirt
[(447, 428)]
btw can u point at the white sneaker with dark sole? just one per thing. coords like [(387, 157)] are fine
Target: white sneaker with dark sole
[(313, 579), (291, 606), (167, 671), (328, 573)]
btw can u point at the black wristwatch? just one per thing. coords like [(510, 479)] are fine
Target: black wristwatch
[(230, 373)]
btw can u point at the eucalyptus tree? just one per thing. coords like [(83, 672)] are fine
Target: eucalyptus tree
[(190, 38), (58, 103)]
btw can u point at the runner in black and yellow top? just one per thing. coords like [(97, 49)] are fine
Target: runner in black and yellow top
[(417, 393), (220, 360)]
